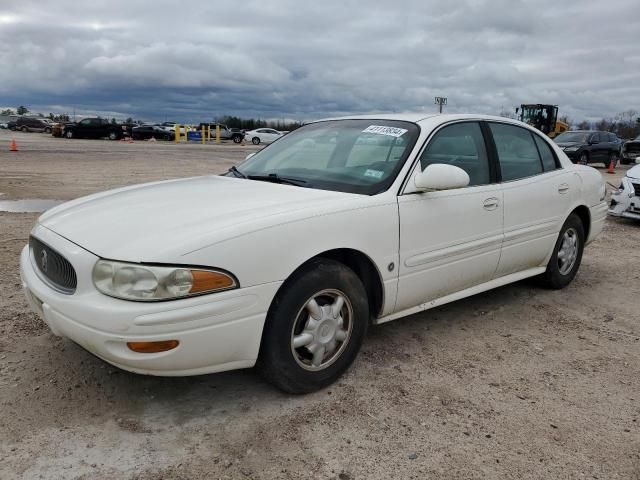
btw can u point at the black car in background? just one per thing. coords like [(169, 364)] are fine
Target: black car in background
[(145, 132), (630, 152), (33, 124), (590, 146), (96, 128)]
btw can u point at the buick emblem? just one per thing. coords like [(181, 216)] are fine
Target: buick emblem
[(43, 260)]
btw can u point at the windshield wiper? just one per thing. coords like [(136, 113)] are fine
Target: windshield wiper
[(237, 172), (275, 178)]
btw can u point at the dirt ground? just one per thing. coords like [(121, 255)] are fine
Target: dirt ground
[(519, 382)]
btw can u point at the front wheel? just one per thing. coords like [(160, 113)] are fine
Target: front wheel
[(47, 130), (314, 328), (24, 129), (113, 136), (69, 134), (567, 254), (255, 140), (237, 139)]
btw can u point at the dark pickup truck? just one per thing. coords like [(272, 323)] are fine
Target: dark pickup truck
[(96, 128)]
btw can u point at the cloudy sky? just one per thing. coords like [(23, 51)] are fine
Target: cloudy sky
[(190, 61)]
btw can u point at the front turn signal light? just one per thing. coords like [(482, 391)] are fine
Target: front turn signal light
[(153, 347), (207, 281)]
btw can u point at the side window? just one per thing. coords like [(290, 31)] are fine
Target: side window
[(461, 145), (85, 122), (517, 152), (546, 154)]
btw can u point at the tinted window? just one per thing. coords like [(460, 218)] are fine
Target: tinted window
[(546, 154), (461, 145), (517, 152)]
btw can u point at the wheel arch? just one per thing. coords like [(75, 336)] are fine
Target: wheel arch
[(585, 217), (362, 265)]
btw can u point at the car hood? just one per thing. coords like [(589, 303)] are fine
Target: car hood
[(634, 172), (162, 221)]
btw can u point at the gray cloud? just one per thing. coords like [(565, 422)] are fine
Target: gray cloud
[(306, 60)]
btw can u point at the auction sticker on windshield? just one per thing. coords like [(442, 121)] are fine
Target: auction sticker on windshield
[(382, 130)]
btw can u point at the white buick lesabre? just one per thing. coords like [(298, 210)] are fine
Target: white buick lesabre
[(284, 261)]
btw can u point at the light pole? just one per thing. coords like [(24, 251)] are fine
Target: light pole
[(440, 101)]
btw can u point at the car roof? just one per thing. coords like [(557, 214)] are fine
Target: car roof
[(423, 118)]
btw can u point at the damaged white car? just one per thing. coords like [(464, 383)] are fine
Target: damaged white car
[(626, 201), (285, 261)]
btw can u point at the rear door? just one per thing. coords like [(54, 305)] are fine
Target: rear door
[(537, 196)]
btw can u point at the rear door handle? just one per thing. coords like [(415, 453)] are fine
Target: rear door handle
[(563, 188), (490, 203)]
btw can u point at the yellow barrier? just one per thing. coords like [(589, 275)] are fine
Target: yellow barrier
[(204, 139), (218, 134), (177, 137)]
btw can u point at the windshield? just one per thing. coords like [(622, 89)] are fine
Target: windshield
[(354, 156), (566, 137)]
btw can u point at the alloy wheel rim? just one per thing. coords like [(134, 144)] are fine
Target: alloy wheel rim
[(322, 329), (568, 251)]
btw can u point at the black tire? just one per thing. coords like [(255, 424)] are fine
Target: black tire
[(255, 140), (68, 134), (237, 139), (113, 136), (554, 277), (24, 129), (583, 159), (47, 130), (279, 361)]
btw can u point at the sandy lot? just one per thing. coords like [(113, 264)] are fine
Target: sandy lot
[(519, 382)]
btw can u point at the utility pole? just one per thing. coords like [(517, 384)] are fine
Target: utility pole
[(440, 101)]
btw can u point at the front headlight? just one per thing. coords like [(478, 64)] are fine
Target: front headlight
[(147, 283), (571, 149)]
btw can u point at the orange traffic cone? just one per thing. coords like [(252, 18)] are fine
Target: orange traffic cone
[(612, 166), (14, 147)]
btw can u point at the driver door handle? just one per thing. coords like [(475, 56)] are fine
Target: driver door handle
[(563, 188), (491, 203)]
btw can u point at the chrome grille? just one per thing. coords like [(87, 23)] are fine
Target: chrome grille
[(56, 269)]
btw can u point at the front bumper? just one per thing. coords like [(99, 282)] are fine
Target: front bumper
[(216, 332), (626, 203)]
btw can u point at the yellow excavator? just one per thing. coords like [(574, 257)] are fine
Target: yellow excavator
[(542, 117)]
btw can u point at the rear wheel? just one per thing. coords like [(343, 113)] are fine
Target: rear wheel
[(237, 139), (47, 130), (583, 159), (113, 136), (255, 140), (567, 254), (24, 129), (315, 327), (69, 134)]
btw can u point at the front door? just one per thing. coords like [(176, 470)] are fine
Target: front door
[(450, 240)]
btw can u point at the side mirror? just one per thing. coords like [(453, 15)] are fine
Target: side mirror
[(249, 156), (440, 176)]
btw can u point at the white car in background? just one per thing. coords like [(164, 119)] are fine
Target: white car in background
[(626, 201), (262, 135), (287, 259)]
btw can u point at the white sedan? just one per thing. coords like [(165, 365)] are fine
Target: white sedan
[(286, 259), (262, 135)]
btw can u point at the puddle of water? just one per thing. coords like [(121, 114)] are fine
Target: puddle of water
[(31, 205)]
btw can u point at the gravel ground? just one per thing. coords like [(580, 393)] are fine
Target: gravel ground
[(519, 382)]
